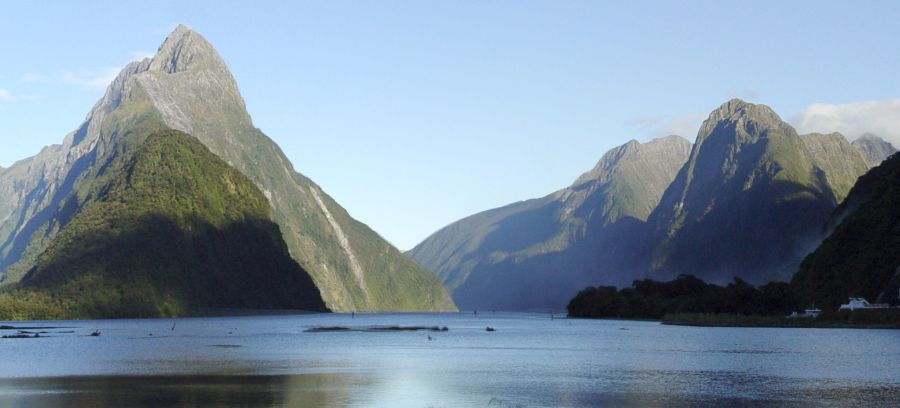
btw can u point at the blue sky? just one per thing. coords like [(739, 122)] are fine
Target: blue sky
[(415, 114)]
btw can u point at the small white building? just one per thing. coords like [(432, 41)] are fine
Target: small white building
[(860, 304)]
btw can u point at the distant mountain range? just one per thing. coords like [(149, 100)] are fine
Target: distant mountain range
[(187, 87), (748, 199), (538, 253)]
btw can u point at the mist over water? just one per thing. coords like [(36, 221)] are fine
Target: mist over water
[(530, 361)]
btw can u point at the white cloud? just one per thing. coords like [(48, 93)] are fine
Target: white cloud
[(140, 55), (95, 80), (685, 126), (33, 77), (6, 96), (9, 97), (852, 119)]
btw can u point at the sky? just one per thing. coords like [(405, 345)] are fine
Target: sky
[(414, 114)]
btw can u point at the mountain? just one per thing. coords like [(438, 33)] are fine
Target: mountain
[(186, 86), (874, 148), (535, 254), (168, 229), (861, 258), (752, 198)]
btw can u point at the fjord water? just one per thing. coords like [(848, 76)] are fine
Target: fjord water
[(530, 361)]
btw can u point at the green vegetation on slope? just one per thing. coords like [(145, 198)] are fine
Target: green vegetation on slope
[(354, 268), (861, 258), (168, 228)]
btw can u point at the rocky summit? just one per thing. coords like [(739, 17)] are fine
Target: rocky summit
[(187, 87), (874, 148)]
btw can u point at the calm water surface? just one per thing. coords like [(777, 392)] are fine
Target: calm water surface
[(530, 361)]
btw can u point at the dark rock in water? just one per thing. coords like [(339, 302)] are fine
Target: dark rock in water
[(6, 327), (327, 329), (376, 329), (20, 336)]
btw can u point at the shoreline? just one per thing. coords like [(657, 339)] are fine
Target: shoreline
[(883, 321)]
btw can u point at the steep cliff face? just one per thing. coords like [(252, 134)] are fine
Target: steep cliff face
[(861, 258), (535, 254), (187, 87), (752, 198)]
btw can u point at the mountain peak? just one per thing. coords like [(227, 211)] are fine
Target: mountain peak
[(736, 108), (871, 137), (635, 151), (738, 114), (874, 148), (185, 49)]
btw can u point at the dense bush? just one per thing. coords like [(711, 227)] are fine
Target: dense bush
[(647, 299), (169, 228)]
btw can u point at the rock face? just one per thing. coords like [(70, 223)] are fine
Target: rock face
[(861, 258), (187, 87), (169, 229), (535, 254), (874, 148), (841, 162), (752, 198)]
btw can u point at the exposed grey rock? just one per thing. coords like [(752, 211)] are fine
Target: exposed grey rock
[(874, 148)]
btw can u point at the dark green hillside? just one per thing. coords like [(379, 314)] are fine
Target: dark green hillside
[(168, 229), (861, 258)]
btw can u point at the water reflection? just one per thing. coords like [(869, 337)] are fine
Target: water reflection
[(358, 390), (318, 390)]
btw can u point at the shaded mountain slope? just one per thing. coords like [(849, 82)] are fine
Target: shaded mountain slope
[(534, 254), (861, 258), (167, 229)]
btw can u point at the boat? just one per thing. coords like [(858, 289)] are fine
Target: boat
[(862, 304)]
